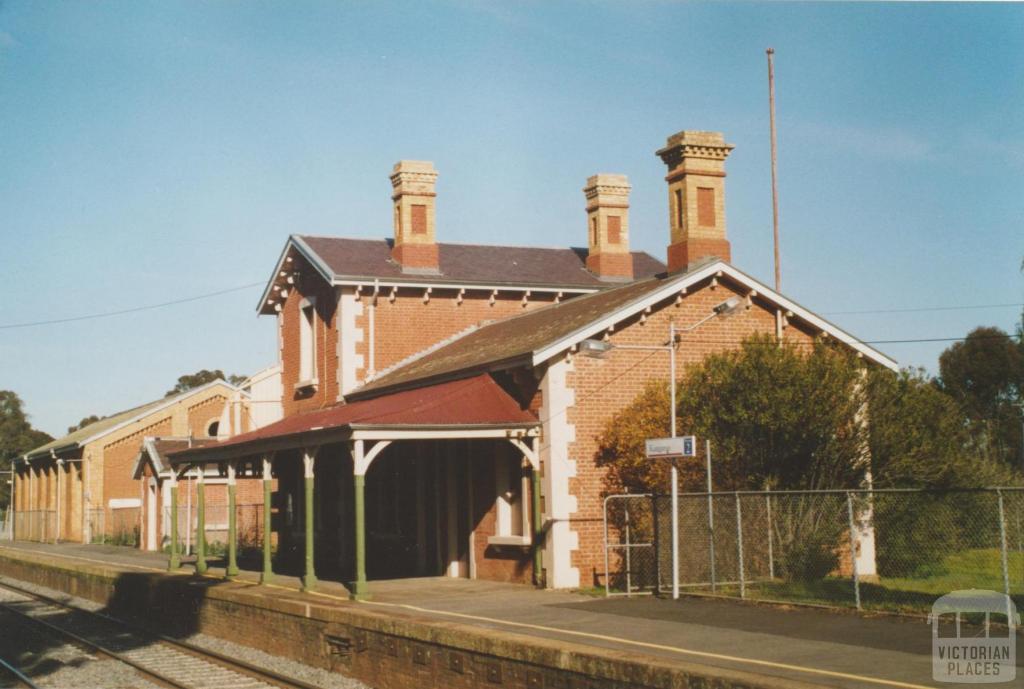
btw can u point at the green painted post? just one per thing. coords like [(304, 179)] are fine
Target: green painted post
[(232, 569), (537, 525), (359, 588), (174, 562), (309, 580), (201, 566), (268, 574)]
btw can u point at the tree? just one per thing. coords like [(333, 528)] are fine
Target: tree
[(83, 423), (199, 378), (920, 438), (16, 438), (776, 416), (985, 375)]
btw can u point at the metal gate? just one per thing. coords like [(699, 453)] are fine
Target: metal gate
[(630, 550)]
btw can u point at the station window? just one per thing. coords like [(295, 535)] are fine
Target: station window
[(307, 340), (512, 486)]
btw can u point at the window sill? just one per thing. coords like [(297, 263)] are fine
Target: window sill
[(309, 384), (516, 541)]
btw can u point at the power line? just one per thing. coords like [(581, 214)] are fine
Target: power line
[(925, 308), (208, 295), (136, 309)]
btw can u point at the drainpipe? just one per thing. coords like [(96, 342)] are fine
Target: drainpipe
[(371, 369)]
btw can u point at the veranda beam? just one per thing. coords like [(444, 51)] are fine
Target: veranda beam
[(361, 460), (232, 568), (267, 575), (201, 565), (174, 561), (308, 459)]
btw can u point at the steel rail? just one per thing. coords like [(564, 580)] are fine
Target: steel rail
[(240, 666), (18, 674)]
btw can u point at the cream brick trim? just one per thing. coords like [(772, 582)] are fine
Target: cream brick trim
[(350, 310), (560, 504)]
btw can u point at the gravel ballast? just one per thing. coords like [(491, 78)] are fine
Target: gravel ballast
[(284, 666)]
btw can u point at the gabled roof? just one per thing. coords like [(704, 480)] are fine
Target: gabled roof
[(345, 261), (475, 402), (114, 422), (154, 450), (537, 336)]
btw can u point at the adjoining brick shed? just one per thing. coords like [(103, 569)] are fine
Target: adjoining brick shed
[(81, 488)]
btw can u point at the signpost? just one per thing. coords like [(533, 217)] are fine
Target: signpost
[(673, 448)]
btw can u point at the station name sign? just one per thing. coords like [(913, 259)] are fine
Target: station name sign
[(671, 448)]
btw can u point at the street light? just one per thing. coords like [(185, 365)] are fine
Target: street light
[(599, 349)]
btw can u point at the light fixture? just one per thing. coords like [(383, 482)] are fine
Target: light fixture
[(595, 349), (728, 307)]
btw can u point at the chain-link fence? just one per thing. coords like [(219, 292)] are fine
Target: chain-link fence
[(882, 549), (35, 525), (114, 526)]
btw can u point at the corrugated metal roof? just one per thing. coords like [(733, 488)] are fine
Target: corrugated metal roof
[(477, 401), (109, 423), (97, 428)]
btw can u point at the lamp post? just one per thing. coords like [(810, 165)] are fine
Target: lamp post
[(598, 349)]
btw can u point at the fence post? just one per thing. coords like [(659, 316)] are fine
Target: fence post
[(739, 546), (853, 549), (771, 554), (657, 544), (629, 556), (711, 540), (607, 547), (1003, 551)]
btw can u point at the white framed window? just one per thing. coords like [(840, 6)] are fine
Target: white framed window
[(307, 341), (512, 482)]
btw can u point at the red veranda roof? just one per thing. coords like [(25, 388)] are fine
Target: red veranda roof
[(476, 402)]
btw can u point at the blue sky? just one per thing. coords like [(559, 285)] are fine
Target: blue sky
[(153, 151)]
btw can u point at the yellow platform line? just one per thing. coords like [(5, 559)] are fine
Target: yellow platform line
[(557, 630)]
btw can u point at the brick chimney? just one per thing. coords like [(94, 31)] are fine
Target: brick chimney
[(415, 246), (608, 253), (696, 196)]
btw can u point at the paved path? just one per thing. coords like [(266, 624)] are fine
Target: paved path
[(835, 649)]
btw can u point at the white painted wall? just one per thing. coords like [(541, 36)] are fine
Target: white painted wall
[(265, 392)]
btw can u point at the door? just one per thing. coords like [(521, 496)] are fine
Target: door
[(151, 517)]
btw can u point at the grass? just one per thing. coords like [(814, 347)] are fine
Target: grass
[(979, 569), (976, 568)]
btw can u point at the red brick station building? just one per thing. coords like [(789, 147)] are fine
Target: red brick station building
[(440, 414)]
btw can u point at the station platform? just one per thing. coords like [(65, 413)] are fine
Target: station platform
[(721, 639)]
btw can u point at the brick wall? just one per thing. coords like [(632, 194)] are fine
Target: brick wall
[(409, 325), (118, 460), (309, 284), (605, 386), (200, 415)]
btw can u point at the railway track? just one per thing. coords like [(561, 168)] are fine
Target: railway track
[(160, 659), (12, 677)]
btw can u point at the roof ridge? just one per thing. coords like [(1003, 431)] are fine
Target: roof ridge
[(477, 244)]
